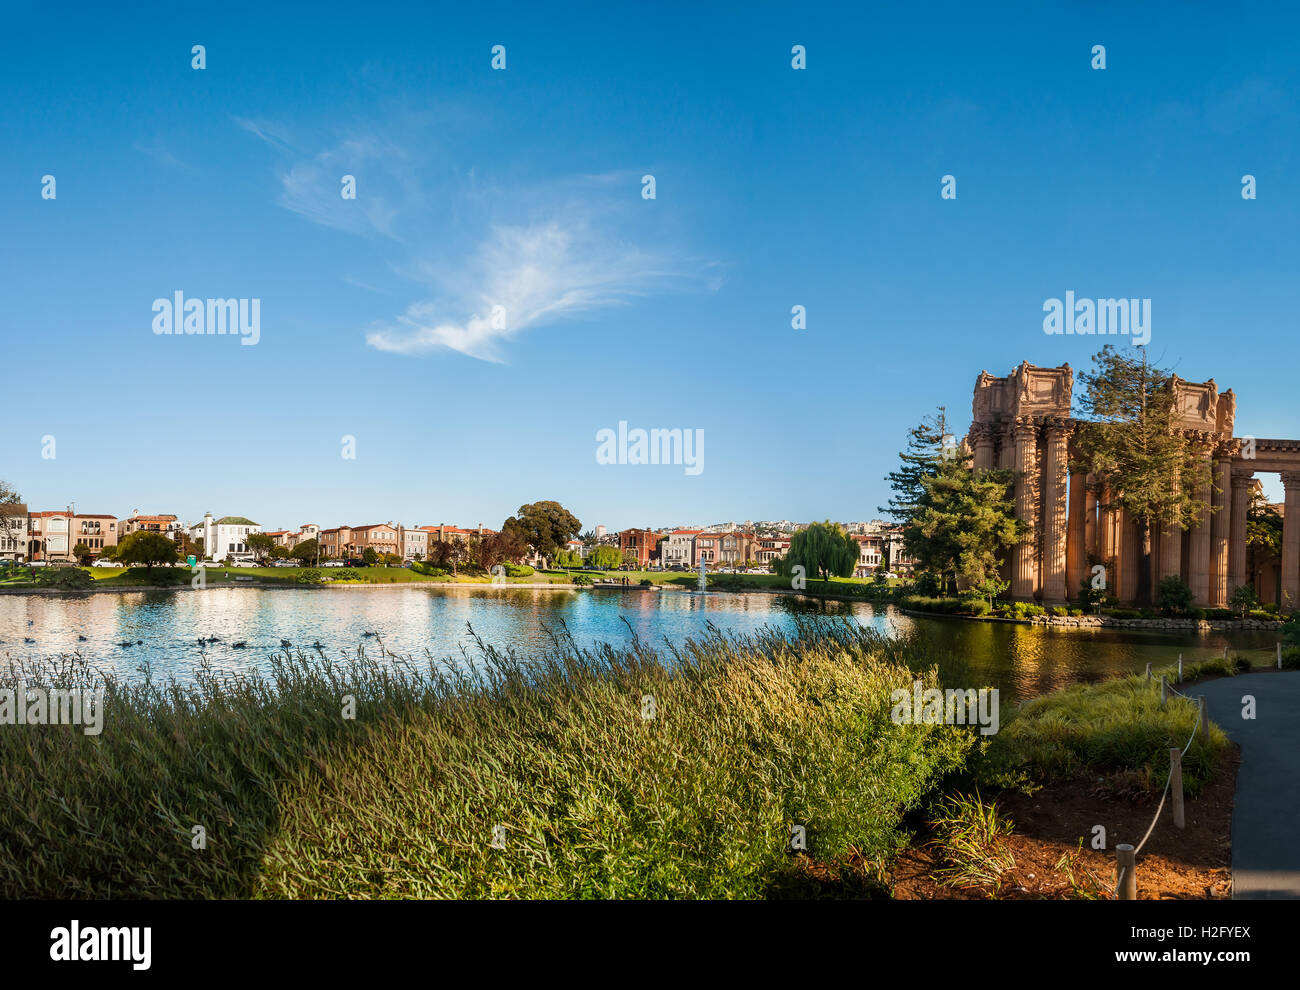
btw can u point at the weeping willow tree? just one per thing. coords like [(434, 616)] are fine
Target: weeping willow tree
[(1140, 461), (823, 548)]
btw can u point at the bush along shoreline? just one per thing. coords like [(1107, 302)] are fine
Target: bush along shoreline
[(727, 767)]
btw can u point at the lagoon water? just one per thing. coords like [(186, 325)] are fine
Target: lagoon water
[(1020, 660)]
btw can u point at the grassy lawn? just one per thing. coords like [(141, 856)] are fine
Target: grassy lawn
[(845, 586), (281, 575), (135, 577)]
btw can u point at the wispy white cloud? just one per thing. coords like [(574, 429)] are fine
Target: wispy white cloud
[(266, 132), (312, 188), (159, 152), (535, 274), (495, 258)]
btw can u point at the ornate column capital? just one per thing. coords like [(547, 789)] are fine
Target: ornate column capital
[(1291, 480), (1241, 480), (1059, 426)]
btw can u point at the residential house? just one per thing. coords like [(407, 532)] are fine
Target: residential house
[(871, 548), (643, 544), (678, 550), (286, 538), (168, 526), (769, 548), (13, 531), (336, 543), (95, 531), (414, 543), (53, 535), (379, 537), (47, 536), (225, 539), (446, 532)]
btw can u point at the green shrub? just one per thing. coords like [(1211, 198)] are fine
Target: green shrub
[(1174, 595), (1122, 613), (1291, 658), (69, 578), (309, 575), (519, 570), (429, 570), (1291, 631), (581, 580), (927, 584), (1060, 610)]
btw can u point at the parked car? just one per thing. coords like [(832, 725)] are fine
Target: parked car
[(106, 563), (331, 563)]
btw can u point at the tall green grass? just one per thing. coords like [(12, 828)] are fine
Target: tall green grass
[(750, 737), (1113, 735)]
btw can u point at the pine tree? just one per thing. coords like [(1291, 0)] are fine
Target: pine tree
[(963, 522), (921, 459), (1140, 462)]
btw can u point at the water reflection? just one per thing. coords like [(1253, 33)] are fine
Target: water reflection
[(1023, 661)]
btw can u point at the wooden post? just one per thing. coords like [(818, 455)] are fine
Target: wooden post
[(1164, 686), (1279, 654), (1126, 872), (1176, 785), (1205, 716), (1148, 670), (1180, 668)]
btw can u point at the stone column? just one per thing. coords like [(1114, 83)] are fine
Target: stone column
[(1171, 549), (1006, 458), (983, 437), (1076, 540), (1198, 564), (1241, 485), (1107, 546), (1024, 572), (1054, 516), (1090, 545), (1007, 448), (1291, 541), (1130, 555), (1220, 523)]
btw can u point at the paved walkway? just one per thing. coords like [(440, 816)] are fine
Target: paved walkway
[(1266, 814)]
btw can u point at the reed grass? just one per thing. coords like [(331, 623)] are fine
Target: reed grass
[(483, 775)]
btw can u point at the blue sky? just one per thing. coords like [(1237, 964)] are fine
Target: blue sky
[(774, 188)]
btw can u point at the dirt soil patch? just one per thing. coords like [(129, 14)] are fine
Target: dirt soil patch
[(1193, 863)]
